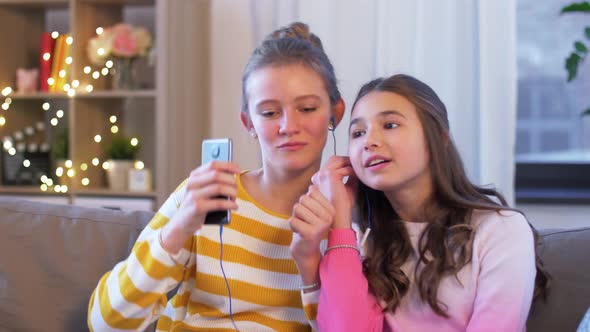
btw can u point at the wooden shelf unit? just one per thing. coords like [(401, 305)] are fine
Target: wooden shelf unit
[(159, 113)]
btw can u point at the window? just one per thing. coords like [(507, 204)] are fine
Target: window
[(552, 139)]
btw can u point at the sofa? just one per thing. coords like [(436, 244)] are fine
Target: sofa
[(52, 256)]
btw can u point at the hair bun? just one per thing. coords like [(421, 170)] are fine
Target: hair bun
[(297, 30)]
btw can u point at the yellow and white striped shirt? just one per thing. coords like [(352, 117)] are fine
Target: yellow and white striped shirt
[(262, 276)]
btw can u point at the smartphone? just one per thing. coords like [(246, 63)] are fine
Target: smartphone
[(217, 149)]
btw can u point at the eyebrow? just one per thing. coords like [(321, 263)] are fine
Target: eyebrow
[(381, 115), (297, 99)]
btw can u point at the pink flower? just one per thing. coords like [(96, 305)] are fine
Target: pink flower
[(124, 42)]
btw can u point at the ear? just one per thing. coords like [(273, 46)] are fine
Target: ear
[(246, 120), (338, 111)]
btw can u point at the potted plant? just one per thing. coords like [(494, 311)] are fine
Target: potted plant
[(578, 55), (59, 154), (121, 155)]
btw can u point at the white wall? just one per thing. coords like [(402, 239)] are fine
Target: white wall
[(556, 216)]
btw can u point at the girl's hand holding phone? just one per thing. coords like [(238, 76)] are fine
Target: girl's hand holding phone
[(204, 189)]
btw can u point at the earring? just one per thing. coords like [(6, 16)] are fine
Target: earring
[(253, 134)]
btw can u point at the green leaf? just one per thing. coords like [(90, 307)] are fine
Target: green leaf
[(586, 112), (580, 47), (583, 7), (587, 32), (571, 64)]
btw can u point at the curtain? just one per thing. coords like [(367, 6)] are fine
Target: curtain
[(465, 50)]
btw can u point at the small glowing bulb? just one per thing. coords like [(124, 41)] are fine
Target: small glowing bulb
[(85, 182), (49, 182), (69, 40), (59, 114), (62, 73), (2, 121), (26, 163), (99, 30), (57, 188), (100, 51), (46, 106), (59, 171), (43, 187), (104, 71), (6, 91), (97, 138), (114, 129), (5, 106), (46, 56), (95, 161), (71, 93), (51, 81), (106, 165), (66, 87), (64, 188), (8, 100), (12, 151), (84, 166), (71, 173), (89, 88), (134, 141), (54, 34), (7, 144), (43, 178), (69, 60), (109, 64), (54, 122), (76, 83), (68, 163), (95, 75), (113, 118), (87, 70), (139, 164)]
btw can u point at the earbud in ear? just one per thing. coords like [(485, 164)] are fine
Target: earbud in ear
[(332, 123)]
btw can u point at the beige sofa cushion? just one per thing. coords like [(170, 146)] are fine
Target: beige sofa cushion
[(51, 258)]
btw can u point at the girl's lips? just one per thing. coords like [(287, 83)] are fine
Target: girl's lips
[(292, 146), (379, 166)]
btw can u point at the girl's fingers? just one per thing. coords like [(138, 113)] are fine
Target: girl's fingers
[(319, 198), (321, 212), (214, 190)]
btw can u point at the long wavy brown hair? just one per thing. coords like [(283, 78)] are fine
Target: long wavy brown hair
[(445, 245)]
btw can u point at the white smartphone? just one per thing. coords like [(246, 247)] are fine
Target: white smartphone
[(217, 149)]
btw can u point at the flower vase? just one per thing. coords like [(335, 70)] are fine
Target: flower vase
[(124, 74)]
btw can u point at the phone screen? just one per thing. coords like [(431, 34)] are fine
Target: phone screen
[(217, 149)]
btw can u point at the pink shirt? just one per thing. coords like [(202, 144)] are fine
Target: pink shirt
[(495, 292)]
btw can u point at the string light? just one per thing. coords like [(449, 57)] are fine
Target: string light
[(100, 51), (5, 106), (69, 60), (6, 91), (59, 114), (134, 141), (95, 161), (26, 163), (66, 87), (75, 83), (85, 182), (54, 34), (106, 165), (71, 93), (139, 165), (54, 122), (7, 144), (2, 121), (96, 75), (43, 187), (59, 171), (64, 188), (71, 173), (87, 70), (57, 188), (109, 64), (97, 138), (68, 163), (89, 88), (46, 56), (99, 30), (69, 40), (8, 100), (49, 182), (43, 178), (114, 129), (46, 106), (84, 166), (113, 118), (51, 81), (62, 73), (12, 151), (104, 71)]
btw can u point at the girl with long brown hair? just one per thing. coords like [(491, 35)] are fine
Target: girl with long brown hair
[(440, 253)]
